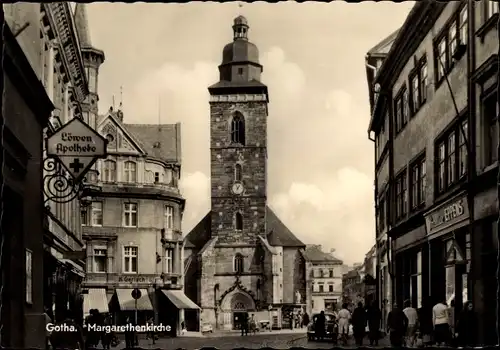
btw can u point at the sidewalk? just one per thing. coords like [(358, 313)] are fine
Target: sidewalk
[(237, 333)]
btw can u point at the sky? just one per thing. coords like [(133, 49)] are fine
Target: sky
[(320, 160)]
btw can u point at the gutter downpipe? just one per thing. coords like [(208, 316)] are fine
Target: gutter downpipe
[(498, 185), (375, 201)]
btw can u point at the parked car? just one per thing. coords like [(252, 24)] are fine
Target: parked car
[(331, 327), (206, 328)]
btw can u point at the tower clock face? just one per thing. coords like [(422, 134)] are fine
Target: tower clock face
[(237, 188)]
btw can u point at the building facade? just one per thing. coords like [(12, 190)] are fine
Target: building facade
[(241, 257), (373, 61), (44, 87), (436, 138), (323, 280)]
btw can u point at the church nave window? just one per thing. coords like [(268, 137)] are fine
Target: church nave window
[(238, 263), (237, 172), (238, 129), (238, 222)]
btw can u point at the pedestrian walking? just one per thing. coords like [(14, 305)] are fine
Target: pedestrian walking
[(305, 319), (344, 319), (65, 338), (358, 320), (107, 337), (244, 325), (396, 326), (441, 323), (425, 322), (129, 334), (320, 325), (411, 331), (374, 316), (467, 326), (150, 334)]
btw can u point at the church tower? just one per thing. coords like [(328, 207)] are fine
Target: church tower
[(92, 60), (238, 140)]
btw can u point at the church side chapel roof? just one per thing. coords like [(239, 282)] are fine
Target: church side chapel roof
[(159, 141), (278, 234), (313, 253)]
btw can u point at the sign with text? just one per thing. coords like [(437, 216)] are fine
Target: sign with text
[(136, 279), (77, 146), (447, 215)]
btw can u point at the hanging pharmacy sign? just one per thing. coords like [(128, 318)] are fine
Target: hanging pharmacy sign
[(77, 147)]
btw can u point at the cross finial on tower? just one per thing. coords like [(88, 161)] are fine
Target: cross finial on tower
[(121, 97)]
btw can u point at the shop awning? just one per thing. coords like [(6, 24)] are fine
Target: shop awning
[(127, 303), (95, 299), (180, 300), (77, 269)]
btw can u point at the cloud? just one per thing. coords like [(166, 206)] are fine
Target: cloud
[(316, 185)]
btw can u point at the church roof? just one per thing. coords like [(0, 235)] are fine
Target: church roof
[(278, 233), (82, 25), (313, 253), (161, 141)]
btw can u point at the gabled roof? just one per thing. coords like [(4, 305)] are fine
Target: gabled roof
[(313, 253), (112, 116), (161, 141), (385, 45), (200, 234), (278, 233)]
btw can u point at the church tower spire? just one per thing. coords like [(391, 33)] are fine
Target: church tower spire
[(240, 70), (82, 25)]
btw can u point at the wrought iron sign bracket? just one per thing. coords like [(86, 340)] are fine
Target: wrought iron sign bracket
[(59, 187)]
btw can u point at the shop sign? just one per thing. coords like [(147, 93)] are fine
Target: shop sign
[(447, 215), (77, 147), (135, 279)]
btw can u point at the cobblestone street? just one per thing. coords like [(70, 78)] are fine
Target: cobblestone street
[(276, 341)]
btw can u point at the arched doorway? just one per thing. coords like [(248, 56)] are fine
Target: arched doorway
[(234, 307)]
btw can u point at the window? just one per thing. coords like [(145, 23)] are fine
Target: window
[(419, 86), (416, 280), (238, 263), (451, 157), (130, 172), (109, 174), (330, 288), (29, 276), (331, 273), (100, 257), (382, 212), (96, 213), (240, 71), (417, 193), (462, 149), (321, 288), (491, 8), (401, 110), (401, 196), (157, 177), (130, 215), (237, 172), (238, 221), (238, 129), (130, 259), (169, 260), (490, 118), (169, 217), (446, 46)]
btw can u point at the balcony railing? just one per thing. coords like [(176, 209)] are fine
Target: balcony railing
[(134, 187)]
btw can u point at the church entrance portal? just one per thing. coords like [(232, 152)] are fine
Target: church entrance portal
[(235, 307)]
